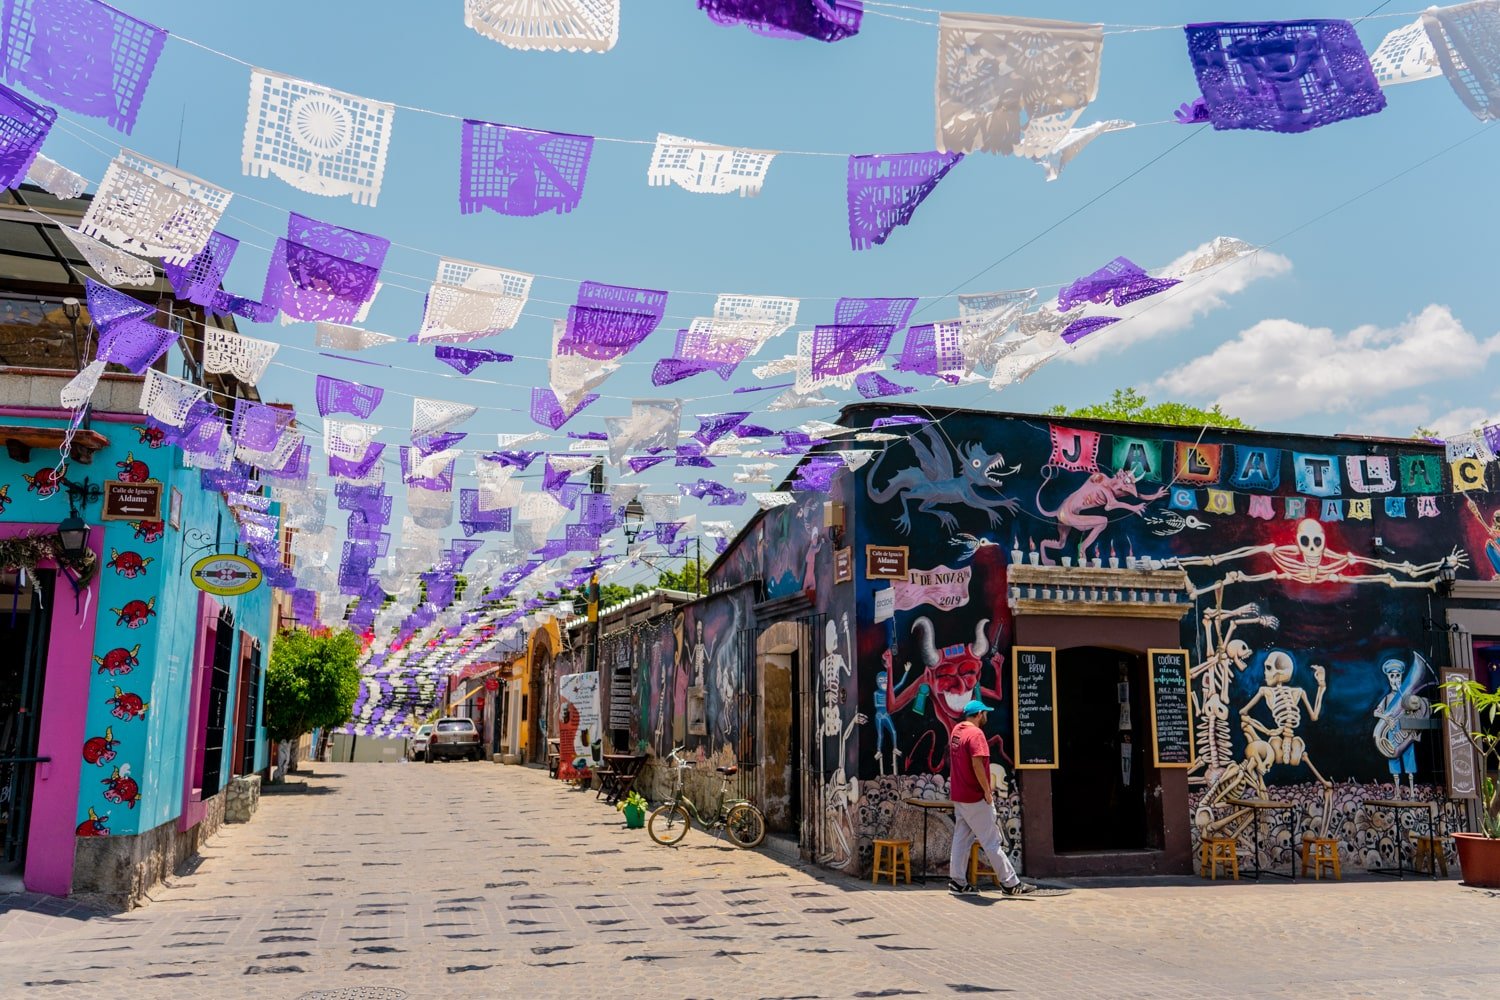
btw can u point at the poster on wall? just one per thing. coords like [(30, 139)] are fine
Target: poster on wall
[(579, 738)]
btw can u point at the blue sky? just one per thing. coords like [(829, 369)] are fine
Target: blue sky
[(1374, 319)]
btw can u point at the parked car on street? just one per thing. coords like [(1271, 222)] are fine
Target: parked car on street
[(453, 738), (418, 746)]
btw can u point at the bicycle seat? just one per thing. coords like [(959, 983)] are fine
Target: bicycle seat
[(729, 771)]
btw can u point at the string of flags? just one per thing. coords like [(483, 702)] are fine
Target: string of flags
[(1006, 85)]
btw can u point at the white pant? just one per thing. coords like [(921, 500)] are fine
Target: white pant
[(976, 821)]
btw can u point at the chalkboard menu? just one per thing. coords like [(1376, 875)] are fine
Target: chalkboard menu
[(1171, 713), (620, 709), (1034, 689)]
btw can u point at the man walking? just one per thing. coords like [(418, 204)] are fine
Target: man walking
[(974, 817)]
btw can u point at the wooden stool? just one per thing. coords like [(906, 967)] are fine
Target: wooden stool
[(979, 866), (1427, 852), (1216, 851), (1321, 853), (897, 855)]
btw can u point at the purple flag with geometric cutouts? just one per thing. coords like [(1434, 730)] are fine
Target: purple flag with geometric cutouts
[(518, 171), (643, 462), (430, 443), (872, 385), (692, 455), (1119, 281), (933, 349), (257, 426), (610, 320), (712, 426), (816, 474), (853, 311), (224, 304), (199, 279), (24, 125), (349, 496), (1287, 76), (553, 479), (359, 469), (825, 20), (323, 272), (126, 335), (884, 191), (547, 411), (1080, 328), (295, 467), (466, 361), (337, 396), (842, 350), (82, 55)]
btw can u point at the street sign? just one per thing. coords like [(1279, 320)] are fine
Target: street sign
[(226, 575), (131, 501)]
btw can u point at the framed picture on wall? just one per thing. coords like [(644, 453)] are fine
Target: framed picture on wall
[(697, 714), (174, 509)]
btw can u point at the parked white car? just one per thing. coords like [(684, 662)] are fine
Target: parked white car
[(418, 746)]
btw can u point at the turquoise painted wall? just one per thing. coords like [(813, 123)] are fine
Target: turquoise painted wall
[(146, 611)]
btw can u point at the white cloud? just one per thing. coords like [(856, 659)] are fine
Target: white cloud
[(1179, 307), (1280, 369), (1396, 421), (1462, 420)]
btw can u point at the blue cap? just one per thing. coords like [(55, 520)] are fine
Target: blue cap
[(975, 707)]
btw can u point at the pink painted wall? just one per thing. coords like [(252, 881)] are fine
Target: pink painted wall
[(70, 649), (198, 705)]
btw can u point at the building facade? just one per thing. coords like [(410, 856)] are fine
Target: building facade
[(129, 697), (1166, 619)]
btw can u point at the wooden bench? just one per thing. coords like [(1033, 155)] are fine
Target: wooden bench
[(621, 770)]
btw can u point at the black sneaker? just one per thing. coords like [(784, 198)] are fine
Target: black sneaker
[(1019, 889), (961, 888)]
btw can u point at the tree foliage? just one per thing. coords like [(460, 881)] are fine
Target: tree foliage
[(689, 578), (312, 681), (1133, 406)]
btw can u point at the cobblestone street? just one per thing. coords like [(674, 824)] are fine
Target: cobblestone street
[(480, 880)]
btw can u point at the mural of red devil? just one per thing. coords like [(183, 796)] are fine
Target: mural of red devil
[(121, 787), (94, 826), (953, 675)]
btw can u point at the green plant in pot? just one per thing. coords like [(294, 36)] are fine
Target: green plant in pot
[(1475, 709), (634, 807)]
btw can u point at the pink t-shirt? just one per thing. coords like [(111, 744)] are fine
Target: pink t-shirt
[(967, 743)]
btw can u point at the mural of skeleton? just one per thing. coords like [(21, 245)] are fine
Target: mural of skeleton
[(1266, 746), (954, 675), (1310, 561), (1211, 701), (832, 668), (700, 658), (840, 796), (1395, 741)]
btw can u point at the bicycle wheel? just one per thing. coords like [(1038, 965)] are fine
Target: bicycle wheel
[(745, 825), (668, 825)]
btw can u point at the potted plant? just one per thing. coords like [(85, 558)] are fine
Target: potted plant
[(634, 807), (1479, 853)]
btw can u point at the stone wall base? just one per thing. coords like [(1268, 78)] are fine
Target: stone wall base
[(242, 798), (117, 872)]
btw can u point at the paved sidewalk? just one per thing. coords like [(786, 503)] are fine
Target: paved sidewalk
[(474, 880)]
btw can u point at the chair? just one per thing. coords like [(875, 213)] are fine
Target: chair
[(979, 866), (897, 855), (1427, 852), (1216, 851), (1321, 853)]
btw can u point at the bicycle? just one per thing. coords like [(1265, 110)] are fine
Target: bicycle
[(740, 820)]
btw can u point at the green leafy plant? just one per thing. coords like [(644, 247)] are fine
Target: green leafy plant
[(311, 682), (1131, 405), (1480, 710), (633, 799)]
